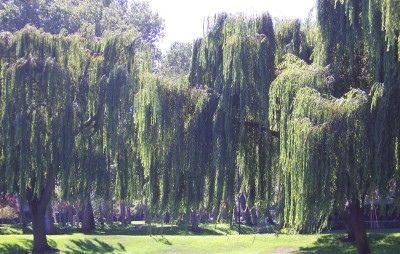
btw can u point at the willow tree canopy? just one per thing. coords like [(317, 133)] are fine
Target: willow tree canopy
[(330, 148), (236, 61), (62, 96)]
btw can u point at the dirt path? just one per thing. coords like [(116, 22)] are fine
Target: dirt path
[(285, 250)]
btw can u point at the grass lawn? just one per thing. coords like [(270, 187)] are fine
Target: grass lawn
[(210, 240)]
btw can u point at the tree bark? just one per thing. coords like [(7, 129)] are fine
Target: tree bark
[(358, 227), (88, 223), (194, 221), (122, 216), (167, 217), (39, 230), (22, 217), (348, 225), (254, 217), (128, 213), (49, 221), (247, 217), (110, 211), (102, 216), (38, 205)]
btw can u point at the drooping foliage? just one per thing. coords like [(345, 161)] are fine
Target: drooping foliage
[(66, 108), (310, 123), (196, 142), (330, 148), (292, 39), (360, 37), (236, 61), (360, 41), (338, 143), (174, 135)]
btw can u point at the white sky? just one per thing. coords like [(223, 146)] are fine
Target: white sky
[(184, 18)]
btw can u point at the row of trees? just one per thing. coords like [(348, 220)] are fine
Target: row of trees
[(303, 116), (90, 18)]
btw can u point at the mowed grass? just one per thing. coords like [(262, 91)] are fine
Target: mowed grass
[(221, 241)]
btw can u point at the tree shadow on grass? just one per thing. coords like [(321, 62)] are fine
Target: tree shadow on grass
[(162, 239), (93, 246), (385, 243), (23, 246), (154, 230), (13, 248), (10, 229), (327, 244)]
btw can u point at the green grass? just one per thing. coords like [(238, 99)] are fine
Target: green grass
[(211, 239)]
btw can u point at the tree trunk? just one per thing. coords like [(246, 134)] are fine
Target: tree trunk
[(22, 217), (38, 207), (358, 227), (49, 221), (110, 211), (102, 216), (348, 225), (167, 217), (39, 230), (254, 217), (247, 217), (122, 216), (194, 221), (128, 213), (24, 223), (88, 223)]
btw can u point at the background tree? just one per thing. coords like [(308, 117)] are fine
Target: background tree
[(88, 17), (176, 61), (236, 60)]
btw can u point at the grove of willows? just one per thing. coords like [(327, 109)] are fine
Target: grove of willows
[(301, 116)]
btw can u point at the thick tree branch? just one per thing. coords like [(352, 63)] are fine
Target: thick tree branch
[(90, 123), (256, 125)]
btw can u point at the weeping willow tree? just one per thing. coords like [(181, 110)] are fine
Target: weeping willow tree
[(330, 151), (66, 107), (292, 38), (360, 41), (360, 37), (107, 155), (174, 127), (236, 61)]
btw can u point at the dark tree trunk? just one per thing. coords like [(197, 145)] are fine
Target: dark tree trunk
[(254, 217), (128, 213), (359, 229), (247, 217), (102, 216), (38, 206), (122, 217), (24, 223), (22, 217), (357, 225), (167, 218), (88, 223), (110, 211), (236, 215), (239, 221), (39, 230), (194, 221), (49, 221), (348, 225), (269, 217)]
